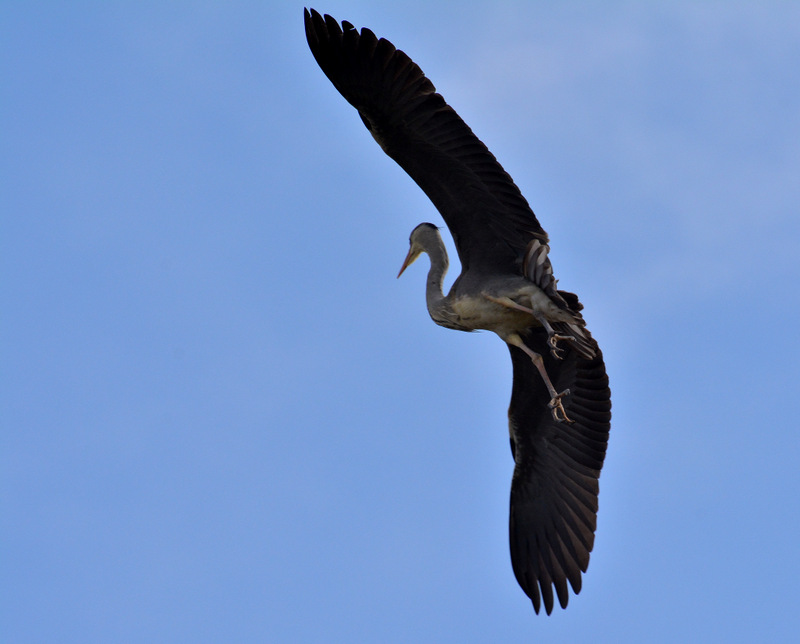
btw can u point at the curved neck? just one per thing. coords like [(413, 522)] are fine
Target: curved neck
[(434, 296)]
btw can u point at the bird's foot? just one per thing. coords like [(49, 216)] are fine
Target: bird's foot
[(557, 408), (555, 350)]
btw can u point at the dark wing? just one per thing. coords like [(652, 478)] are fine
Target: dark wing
[(489, 219), (555, 486)]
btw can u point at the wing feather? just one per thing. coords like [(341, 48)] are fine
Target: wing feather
[(490, 220), (554, 489)]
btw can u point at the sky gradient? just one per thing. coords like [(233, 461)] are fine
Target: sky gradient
[(225, 420)]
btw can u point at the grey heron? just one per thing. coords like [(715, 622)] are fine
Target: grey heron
[(560, 410)]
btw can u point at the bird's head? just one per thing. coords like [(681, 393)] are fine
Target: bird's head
[(422, 238)]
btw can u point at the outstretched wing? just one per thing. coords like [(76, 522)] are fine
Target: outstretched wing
[(490, 220), (555, 485)]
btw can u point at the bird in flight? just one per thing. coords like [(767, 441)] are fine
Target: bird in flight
[(560, 411)]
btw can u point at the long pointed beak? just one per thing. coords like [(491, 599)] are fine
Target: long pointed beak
[(408, 261)]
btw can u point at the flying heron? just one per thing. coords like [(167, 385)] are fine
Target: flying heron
[(560, 410)]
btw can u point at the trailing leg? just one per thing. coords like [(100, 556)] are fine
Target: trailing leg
[(555, 404)]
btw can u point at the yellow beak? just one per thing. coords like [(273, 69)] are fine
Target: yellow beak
[(413, 253)]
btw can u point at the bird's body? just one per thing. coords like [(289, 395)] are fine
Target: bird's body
[(467, 308), (473, 311), (559, 415)]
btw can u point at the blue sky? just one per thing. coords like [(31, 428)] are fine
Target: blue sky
[(225, 420)]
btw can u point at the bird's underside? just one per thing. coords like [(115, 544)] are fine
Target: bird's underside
[(560, 409), (544, 306)]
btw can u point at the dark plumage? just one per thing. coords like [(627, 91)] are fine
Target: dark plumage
[(506, 285)]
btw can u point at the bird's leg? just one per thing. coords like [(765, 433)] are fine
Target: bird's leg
[(509, 303), (555, 404), (552, 336)]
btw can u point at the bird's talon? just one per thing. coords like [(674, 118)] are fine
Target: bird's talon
[(557, 408), (555, 350)]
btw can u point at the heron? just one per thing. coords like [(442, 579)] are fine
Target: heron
[(560, 410)]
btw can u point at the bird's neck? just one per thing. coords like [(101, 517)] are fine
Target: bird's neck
[(434, 296)]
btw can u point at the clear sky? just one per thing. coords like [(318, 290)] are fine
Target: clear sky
[(225, 420)]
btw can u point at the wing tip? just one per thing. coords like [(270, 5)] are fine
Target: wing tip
[(554, 492)]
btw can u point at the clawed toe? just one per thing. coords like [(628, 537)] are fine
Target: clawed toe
[(557, 408), (555, 350)]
